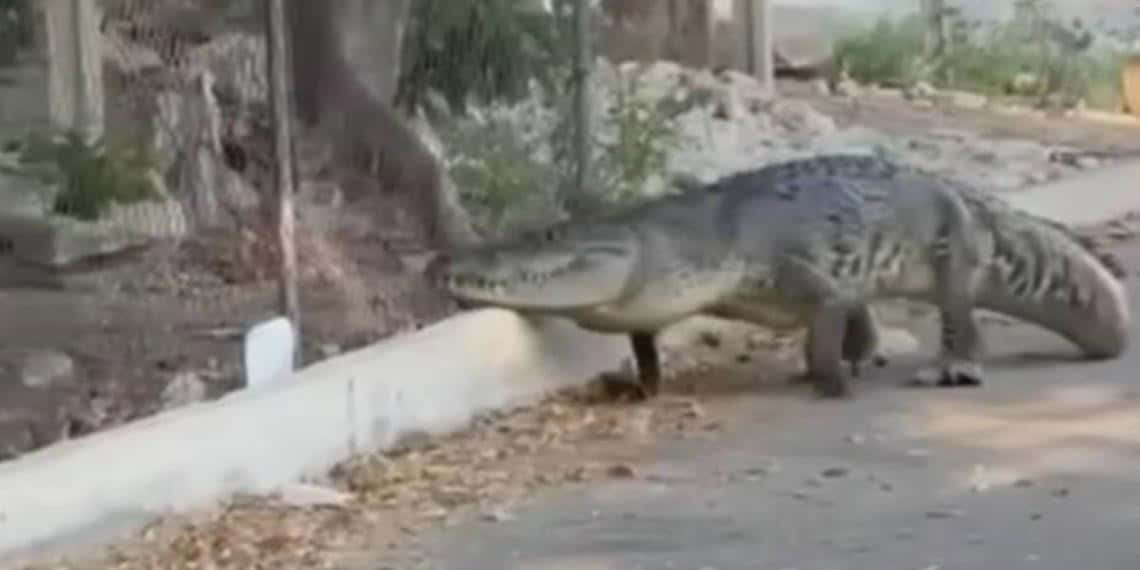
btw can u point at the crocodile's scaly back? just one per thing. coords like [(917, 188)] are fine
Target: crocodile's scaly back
[(867, 225), (810, 243)]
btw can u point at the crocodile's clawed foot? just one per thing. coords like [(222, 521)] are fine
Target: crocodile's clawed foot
[(954, 375), (880, 361), (831, 388), (621, 387), (959, 379)]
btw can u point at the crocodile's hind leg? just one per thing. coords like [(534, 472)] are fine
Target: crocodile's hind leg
[(648, 363), (960, 362), (956, 273)]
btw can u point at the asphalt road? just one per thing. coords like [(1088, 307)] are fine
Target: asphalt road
[(1039, 469)]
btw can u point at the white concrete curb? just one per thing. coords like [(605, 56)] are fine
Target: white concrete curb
[(433, 381)]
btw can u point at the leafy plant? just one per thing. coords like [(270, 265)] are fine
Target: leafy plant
[(88, 177), (499, 178), (1056, 58), (643, 133), (890, 50), (489, 50), (630, 145), (15, 31)]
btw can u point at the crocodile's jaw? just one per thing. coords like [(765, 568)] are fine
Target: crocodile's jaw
[(558, 270)]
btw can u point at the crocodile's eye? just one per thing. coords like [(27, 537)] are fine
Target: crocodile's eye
[(550, 235)]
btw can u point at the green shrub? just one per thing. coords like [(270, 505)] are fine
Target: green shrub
[(642, 134), (87, 177), (987, 59), (515, 166), (629, 146), (888, 51), (482, 50), (500, 180)]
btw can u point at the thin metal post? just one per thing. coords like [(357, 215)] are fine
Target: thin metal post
[(284, 172), (582, 61)]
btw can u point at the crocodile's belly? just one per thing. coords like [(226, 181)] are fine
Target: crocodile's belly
[(663, 302), (912, 279), (769, 314)]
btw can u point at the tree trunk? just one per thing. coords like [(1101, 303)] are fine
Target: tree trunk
[(346, 56), (934, 40)]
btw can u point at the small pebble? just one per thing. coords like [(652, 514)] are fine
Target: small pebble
[(835, 472), (906, 534), (1023, 483), (945, 514), (856, 439), (1061, 493), (763, 470), (621, 471), (497, 516)]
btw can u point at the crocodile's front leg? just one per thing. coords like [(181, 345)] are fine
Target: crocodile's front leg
[(648, 363), (830, 313), (860, 341)]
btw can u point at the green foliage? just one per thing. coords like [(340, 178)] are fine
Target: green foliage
[(503, 56), (515, 166), (88, 177), (630, 146), (500, 181), (487, 50), (14, 28), (889, 50), (1048, 58), (643, 132)]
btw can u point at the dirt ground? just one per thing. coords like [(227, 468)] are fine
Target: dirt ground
[(164, 328), (899, 117)]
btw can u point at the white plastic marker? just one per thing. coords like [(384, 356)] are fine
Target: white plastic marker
[(269, 352)]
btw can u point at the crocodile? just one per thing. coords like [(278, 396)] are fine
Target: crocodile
[(808, 243)]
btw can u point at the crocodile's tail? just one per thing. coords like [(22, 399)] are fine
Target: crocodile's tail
[(1042, 273)]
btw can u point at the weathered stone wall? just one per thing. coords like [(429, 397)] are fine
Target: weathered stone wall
[(650, 30)]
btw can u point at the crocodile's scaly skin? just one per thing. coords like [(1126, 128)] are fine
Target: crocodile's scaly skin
[(811, 243)]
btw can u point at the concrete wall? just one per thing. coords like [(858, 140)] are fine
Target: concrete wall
[(1131, 85), (708, 32), (649, 30)]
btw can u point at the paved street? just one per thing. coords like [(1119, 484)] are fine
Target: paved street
[(1039, 469)]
